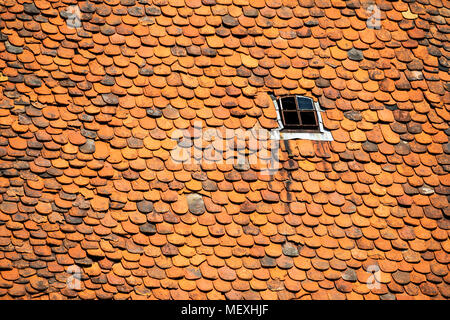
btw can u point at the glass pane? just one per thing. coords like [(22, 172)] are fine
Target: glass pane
[(291, 118), (308, 118), (305, 103), (288, 103)]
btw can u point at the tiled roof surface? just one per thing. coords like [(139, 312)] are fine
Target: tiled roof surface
[(87, 180)]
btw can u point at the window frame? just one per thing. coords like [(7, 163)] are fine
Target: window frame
[(301, 126), (283, 133)]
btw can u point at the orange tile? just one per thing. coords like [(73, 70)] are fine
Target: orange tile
[(106, 148)]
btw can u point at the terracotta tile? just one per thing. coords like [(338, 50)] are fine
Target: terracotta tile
[(331, 201)]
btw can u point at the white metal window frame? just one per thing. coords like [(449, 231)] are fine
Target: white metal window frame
[(320, 135)]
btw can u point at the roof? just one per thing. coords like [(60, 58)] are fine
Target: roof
[(91, 195)]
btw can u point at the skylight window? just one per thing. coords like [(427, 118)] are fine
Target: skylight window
[(299, 118), (298, 113)]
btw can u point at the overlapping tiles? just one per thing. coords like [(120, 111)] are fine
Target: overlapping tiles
[(88, 117)]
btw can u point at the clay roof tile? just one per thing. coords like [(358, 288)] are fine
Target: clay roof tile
[(116, 94)]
